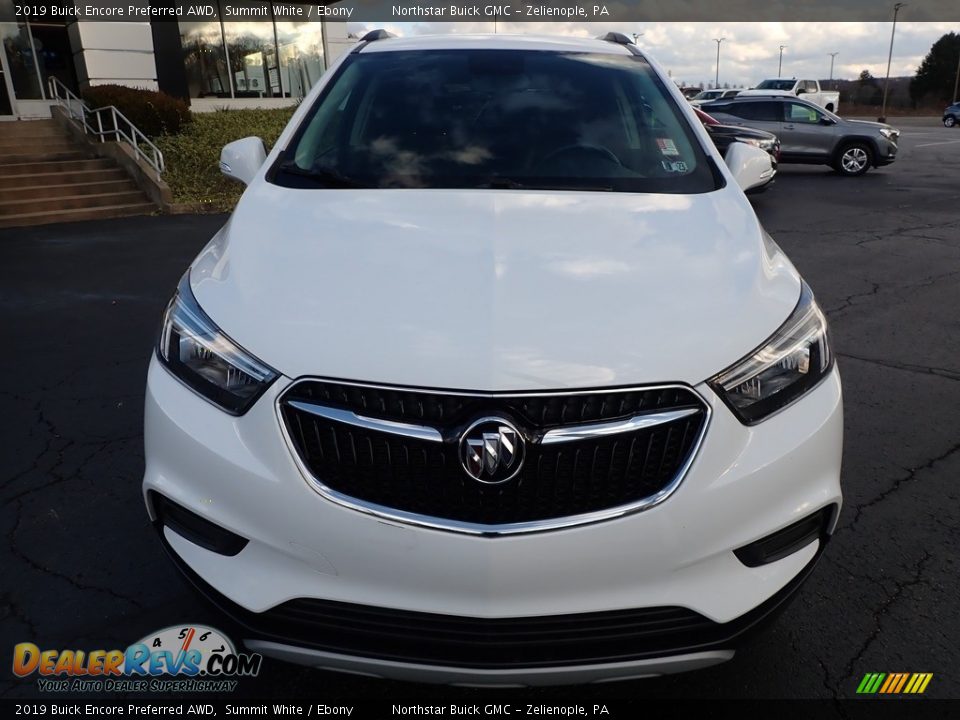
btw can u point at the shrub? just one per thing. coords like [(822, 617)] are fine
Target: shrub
[(154, 113), (193, 157)]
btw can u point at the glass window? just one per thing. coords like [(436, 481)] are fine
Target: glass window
[(252, 57), (776, 85), (801, 113), (204, 60), (22, 61), (501, 119), (54, 55), (757, 111), (300, 47)]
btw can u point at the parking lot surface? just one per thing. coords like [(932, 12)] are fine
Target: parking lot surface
[(79, 309)]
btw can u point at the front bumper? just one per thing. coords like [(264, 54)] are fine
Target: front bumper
[(886, 152), (744, 484)]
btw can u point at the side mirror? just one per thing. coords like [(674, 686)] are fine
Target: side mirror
[(751, 166), (801, 91), (824, 120), (241, 159)]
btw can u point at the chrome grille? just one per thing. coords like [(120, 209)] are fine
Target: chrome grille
[(589, 455)]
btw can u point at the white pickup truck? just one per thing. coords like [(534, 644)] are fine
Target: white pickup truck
[(809, 89)]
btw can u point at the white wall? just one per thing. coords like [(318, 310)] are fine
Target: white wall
[(33, 109), (114, 53), (335, 41)]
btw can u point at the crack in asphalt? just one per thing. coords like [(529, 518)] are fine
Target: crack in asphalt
[(856, 576), (52, 436), (848, 301), (897, 484), (883, 609), (16, 612), (12, 541), (928, 281), (945, 373), (74, 474)]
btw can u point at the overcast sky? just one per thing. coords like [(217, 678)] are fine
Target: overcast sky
[(750, 51)]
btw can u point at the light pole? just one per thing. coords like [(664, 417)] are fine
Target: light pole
[(780, 66), (956, 81), (886, 83), (833, 57), (637, 36), (716, 81)]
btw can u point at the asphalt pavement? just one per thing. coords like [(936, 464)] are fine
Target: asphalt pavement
[(79, 309)]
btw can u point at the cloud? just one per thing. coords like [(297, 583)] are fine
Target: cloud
[(750, 51)]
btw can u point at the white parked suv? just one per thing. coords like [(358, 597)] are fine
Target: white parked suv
[(493, 377)]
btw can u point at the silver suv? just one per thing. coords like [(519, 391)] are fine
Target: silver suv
[(809, 134)]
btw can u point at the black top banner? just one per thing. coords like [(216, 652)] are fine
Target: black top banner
[(373, 11)]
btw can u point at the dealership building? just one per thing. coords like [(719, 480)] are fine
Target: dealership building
[(267, 62)]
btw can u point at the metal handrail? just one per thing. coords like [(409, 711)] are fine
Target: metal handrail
[(78, 110)]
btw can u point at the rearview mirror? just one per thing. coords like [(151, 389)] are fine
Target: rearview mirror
[(751, 166), (241, 159)]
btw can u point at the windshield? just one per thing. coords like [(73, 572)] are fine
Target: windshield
[(776, 85), (496, 119)]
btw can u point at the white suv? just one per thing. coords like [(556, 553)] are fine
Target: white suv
[(493, 377)]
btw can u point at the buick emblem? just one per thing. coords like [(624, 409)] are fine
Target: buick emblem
[(491, 451)]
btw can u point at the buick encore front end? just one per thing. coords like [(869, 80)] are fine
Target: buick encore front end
[(493, 377)]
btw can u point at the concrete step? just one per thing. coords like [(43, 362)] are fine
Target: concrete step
[(60, 178), (37, 192), (95, 213), (53, 166), (30, 129), (70, 202), (25, 158), (35, 145)]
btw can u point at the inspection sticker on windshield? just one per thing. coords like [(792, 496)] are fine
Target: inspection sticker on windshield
[(667, 147), (674, 167)]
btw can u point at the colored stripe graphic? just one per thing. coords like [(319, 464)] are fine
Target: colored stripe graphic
[(892, 680), (894, 683)]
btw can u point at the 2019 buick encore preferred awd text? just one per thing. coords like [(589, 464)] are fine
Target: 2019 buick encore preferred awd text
[(493, 377)]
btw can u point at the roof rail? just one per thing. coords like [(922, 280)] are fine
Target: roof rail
[(615, 37), (375, 35), (621, 39)]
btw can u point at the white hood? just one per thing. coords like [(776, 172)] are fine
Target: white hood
[(495, 289)]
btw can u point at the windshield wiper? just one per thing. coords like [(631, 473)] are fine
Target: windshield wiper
[(498, 182), (328, 177)]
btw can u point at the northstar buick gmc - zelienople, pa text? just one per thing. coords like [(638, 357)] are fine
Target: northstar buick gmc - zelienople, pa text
[(493, 377)]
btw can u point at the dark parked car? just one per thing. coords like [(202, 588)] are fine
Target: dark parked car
[(951, 116), (722, 135), (809, 134)]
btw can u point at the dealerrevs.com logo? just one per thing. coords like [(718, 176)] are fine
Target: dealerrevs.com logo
[(181, 658)]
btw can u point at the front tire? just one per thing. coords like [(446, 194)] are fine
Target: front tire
[(854, 159), (949, 121)]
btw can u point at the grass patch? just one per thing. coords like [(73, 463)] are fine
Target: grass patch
[(193, 157)]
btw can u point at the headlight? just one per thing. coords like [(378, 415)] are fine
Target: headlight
[(195, 350), (756, 142), (788, 365), (889, 133)]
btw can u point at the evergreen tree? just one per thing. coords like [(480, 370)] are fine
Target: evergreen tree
[(936, 75)]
